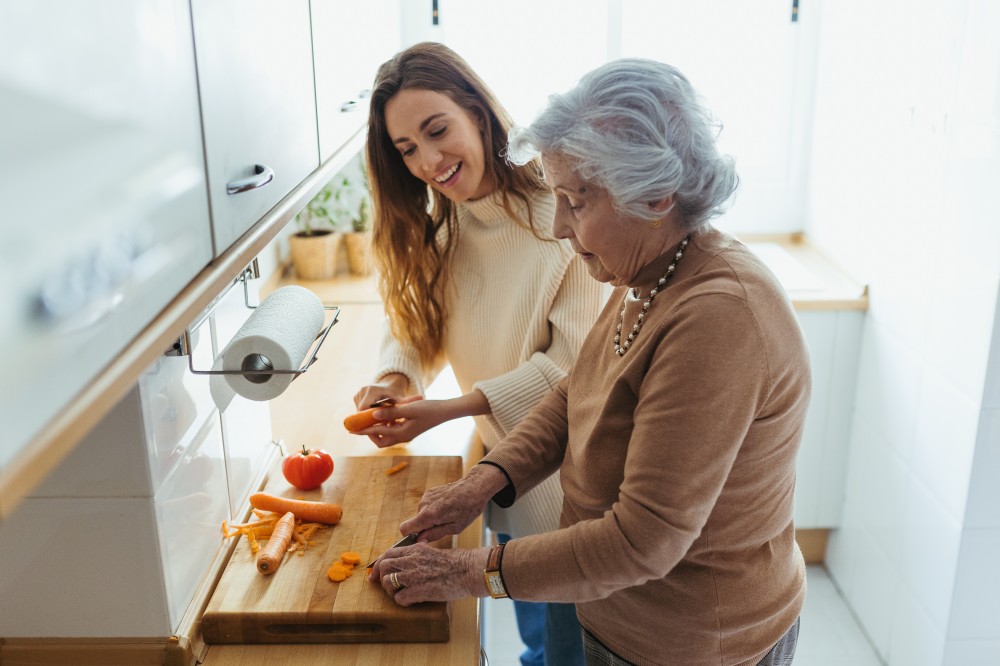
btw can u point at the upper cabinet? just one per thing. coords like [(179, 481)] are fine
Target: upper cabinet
[(258, 106), (350, 41), (104, 216), (140, 142)]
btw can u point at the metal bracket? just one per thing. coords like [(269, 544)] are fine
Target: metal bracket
[(261, 368)]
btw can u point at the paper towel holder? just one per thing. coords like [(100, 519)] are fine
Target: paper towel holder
[(260, 367)]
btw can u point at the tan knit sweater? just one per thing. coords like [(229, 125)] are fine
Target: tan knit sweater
[(678, 545), (519, 309)]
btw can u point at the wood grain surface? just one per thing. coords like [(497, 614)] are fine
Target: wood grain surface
[(298, 603)]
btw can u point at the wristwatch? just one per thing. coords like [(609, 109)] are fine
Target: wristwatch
[(494, 581)]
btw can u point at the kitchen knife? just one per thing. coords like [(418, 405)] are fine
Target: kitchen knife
[(408, 540)]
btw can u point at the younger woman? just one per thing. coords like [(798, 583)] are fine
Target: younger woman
[(471, 276)]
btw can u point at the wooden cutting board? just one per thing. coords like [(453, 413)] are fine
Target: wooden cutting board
[(298, 603)]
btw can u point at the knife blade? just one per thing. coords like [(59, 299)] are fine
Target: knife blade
[(408, 540)]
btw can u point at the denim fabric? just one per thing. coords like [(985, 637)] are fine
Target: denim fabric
[(531, 625), (563, 636), (550, 632), (781, 654)]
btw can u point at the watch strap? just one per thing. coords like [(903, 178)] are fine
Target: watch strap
[(492, 574)]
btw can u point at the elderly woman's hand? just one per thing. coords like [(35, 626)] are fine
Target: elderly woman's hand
[(412, 574), (449, 509)]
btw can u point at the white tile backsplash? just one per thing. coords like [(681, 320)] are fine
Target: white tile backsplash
[(983, 508), (971, 652), (888, 387), (875, 587), (976, 605), (929, 557), (945, 440), (991, 390), (916, 639)]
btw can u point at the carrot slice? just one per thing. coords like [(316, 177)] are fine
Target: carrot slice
[(351, 557), (396, 468)]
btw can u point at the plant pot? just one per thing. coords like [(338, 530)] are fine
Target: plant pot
[(358, 245), (315, 256)]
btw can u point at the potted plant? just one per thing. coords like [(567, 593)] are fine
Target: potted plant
[(314, 247), (358, 239)]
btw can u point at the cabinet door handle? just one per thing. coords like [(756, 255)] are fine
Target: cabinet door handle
[(263, 175)]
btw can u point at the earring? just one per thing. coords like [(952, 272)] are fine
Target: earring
[(656, 224)]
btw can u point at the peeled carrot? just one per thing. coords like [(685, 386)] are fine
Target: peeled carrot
[(273, 552), (313, 512), (361, 420)]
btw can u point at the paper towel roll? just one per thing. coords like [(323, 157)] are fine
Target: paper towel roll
[(281, 330)]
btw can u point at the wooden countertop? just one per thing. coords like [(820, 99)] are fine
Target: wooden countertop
[(311, 412)]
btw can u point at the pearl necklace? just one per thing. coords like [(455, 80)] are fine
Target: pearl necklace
[(620, 348)]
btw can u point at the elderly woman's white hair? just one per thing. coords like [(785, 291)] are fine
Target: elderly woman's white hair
[(637, 129)]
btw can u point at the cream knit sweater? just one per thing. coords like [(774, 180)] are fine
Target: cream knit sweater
[(519, 309)]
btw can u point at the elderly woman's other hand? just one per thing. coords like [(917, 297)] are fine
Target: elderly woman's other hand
[(423, 573), (449, 509)]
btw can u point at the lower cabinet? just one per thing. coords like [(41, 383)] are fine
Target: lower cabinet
[(834, 339), (119, 539)]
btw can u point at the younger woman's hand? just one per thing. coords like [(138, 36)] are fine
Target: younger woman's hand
[(391, 387), (406, 419)]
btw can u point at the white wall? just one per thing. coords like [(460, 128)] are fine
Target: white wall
[(904, 175)]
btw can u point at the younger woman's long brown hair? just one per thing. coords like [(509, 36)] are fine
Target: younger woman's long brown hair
[(415, 228)]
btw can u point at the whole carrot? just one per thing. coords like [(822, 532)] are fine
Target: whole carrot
[(361, 420), (311, 512), (273, 552)]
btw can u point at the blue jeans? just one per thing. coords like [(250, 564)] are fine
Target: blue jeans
[(550, 632), (780, 655)]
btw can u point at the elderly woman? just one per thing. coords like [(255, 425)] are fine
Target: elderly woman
[(675, 433)]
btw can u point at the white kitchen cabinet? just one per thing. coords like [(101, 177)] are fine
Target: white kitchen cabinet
[(103, 188), (258, 106), (119, 537), (350, 41)]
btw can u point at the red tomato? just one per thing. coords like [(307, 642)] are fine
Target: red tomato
[(307, 469)]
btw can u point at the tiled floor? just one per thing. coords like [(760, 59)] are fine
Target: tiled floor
[(828, 635)]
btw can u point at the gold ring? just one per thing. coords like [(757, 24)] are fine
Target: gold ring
[(394, 580)]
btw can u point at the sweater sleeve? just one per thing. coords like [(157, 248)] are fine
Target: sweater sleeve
[(696, 403), (574, 302), (534, 450), (395, 357)]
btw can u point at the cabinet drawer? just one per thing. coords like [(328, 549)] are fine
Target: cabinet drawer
[(258, 106)]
